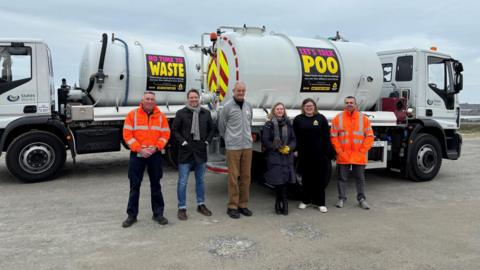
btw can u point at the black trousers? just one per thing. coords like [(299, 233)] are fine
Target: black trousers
[(136, 168), (315, 178), (281, 202), (280, 193)]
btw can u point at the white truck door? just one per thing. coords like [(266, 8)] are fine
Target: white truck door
[(440, 96), (387, 87), (405, 79), (18, 84)]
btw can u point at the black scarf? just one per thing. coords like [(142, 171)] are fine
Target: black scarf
[(277, 140)]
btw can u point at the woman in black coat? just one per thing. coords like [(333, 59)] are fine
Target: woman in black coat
[(279, 141), (315, 153)]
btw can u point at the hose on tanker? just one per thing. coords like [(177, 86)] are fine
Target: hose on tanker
[(89, 89), (102, 53), (100, 76), (90, 84), (127, 83)]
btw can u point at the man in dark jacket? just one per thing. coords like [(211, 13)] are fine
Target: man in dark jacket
[(193, 130)]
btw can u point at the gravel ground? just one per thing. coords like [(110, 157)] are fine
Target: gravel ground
[(74, 222)]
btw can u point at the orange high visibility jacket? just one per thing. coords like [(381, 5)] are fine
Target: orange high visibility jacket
[(352, 137), (143, 130)]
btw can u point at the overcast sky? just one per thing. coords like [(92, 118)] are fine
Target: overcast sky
[(67, 26)]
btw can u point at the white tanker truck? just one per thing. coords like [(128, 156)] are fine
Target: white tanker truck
[(38, 124), (409, 95)]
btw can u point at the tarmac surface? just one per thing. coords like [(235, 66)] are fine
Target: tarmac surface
[(74, 222)]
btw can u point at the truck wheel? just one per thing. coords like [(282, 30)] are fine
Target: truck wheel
[(425, 158), (35, 156)]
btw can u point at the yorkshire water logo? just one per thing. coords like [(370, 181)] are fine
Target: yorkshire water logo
[(13, 98)]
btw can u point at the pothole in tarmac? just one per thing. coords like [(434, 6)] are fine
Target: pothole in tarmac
[(231, 247), (301, 230)]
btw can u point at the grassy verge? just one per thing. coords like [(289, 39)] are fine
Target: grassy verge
[(470, 129)]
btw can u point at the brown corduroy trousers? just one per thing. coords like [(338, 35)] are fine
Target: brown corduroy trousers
[(239, 170)]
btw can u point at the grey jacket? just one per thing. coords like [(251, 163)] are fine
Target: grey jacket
[(234, 124)]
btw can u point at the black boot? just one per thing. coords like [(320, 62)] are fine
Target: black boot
[(285, 207), (284, 201), (278, 208), (278, 200), (278, 204)]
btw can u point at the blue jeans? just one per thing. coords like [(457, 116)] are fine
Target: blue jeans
[(183, 173)]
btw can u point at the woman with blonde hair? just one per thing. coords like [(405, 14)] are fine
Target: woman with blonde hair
[(278, 140)]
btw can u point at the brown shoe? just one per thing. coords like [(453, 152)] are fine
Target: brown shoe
[(202, 209), (182, 214)]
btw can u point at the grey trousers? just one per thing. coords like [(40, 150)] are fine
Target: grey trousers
[(358, 172)]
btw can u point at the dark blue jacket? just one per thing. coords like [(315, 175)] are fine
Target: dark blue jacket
[(280, 167)]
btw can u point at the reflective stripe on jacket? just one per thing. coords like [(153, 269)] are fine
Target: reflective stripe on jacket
[(352, 137), (143, 130)]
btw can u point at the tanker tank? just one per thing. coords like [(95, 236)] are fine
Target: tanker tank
[(169, 72), (279, 68)]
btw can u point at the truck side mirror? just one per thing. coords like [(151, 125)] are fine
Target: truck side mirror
[(458, 83), (458, 76), (457, 66)]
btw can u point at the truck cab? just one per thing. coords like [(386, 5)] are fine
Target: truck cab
[(427, 83), (31, 133), (426, 79), (26, 82)]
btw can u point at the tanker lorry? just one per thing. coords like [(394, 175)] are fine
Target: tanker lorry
[(38, 123), (409, 95)]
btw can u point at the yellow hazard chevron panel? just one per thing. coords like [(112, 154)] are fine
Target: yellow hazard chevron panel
[(217, 76)]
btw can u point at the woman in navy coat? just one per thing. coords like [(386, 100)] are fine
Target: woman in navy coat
[(279, 142)]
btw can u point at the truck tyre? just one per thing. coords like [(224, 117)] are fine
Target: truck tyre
[(425, 158), (35, 156)]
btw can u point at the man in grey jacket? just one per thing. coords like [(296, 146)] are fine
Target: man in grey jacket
[(235, 127)]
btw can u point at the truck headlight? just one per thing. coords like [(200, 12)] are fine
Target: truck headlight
[(410, 112)]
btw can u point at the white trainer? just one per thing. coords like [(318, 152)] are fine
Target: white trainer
[(323, 209), (302, 206), (364, 204), (340, 203)]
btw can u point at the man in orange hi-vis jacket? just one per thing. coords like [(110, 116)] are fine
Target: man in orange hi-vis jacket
[(352, 137), (146, 132)]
